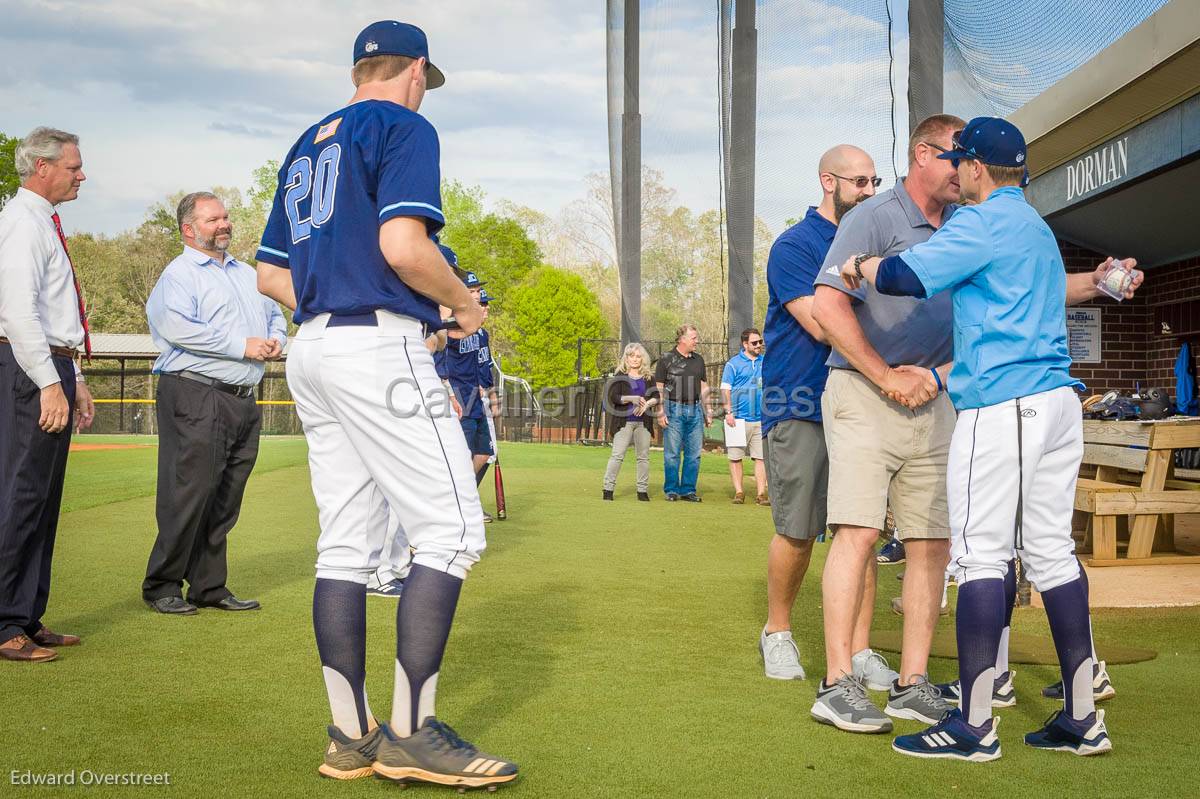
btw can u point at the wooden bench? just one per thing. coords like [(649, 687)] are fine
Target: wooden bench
[(1128, 473)]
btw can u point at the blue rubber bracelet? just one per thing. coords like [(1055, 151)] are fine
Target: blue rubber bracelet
[(938, 378)]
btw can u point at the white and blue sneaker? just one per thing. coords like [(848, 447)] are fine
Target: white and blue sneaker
[(954, 739), (1003, 693), (890, 553), (1064, 734), (392, 589), (1102, 687)]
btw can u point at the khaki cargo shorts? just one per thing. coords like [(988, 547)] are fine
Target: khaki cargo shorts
[(882, 454), (754, 444)]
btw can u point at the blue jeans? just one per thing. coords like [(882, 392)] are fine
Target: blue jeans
[(682, 441)]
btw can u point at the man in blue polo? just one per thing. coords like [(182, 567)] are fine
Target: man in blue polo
[(741, 394), (793, 374), (1017, 442)]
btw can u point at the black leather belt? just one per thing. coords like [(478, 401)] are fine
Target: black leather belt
[(228, 388)]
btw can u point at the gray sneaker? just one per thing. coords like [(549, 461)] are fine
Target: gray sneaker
[(436, 754), (921, 701), (781, 657), (845, 705), (347, 758), (872, 669)]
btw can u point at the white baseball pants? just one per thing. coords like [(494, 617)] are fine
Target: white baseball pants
[(1007, 494), (381, 436)]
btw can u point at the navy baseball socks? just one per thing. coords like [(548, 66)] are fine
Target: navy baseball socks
[(968, 732), (340, 624), (1003, 692), (416, 746), (1077, 728), (1102, 687)]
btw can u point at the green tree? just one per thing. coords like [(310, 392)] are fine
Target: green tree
[(494, 246), (9, 181), (542, 321)]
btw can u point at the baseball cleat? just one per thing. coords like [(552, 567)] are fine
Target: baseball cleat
[(921, 701), (845, 705), (347, 758), (1003, 693), (954, 739), (436, 754), (1102, 687), (391, 589), (1064, 734), (871, 667), (781, 656)]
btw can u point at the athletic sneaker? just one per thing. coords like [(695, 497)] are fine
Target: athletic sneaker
[(391, 589), (872, 669), (349, 759), (1102, 687), (921, 701), (1064, 734), (1003, 693), (487, 518), (845, 705), (953, 738), (891, 553), (436, 754), (781, 656)]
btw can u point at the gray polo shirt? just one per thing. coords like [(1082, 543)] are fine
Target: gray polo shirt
[(903, 330)]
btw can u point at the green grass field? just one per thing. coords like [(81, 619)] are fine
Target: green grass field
[(609, 648)]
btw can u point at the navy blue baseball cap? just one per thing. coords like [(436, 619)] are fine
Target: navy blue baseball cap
[(989, 140), (484, 297), (389, 37), (472, 280)]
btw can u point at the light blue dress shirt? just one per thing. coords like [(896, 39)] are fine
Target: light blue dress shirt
[(201, 312), (1009, 289)]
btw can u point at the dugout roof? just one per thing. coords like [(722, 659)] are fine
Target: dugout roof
[(1114, 147)]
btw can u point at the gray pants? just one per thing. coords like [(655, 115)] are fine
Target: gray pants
[(632, 433)]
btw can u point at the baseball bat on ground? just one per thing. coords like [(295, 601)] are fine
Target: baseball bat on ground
[(501, 508)]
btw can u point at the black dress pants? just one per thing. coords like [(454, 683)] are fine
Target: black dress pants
[(33, 464), (207, 445)]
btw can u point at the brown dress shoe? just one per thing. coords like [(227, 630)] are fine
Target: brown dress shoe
[(45, 637), (21, 648)]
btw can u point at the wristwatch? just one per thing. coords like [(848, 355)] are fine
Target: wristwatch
[(858, 262)]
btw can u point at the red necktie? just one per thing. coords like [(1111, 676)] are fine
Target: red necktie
[(83, 320)]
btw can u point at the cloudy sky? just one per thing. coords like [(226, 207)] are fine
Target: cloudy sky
[(193, 93)]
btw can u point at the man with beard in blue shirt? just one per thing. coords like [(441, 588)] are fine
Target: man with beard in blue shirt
[(793, 379)]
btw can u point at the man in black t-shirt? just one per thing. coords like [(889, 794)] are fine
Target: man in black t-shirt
[(683, 385)]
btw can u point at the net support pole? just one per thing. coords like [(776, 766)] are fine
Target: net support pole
[(926, 30), (629, 234), (740, 188)]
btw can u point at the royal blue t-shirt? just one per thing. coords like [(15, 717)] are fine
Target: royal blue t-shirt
[(345, 176), (460, 363), (794, 370)]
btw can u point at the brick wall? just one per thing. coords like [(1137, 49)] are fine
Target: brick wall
[(1133, 348)]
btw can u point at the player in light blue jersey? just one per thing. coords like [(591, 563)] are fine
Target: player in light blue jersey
[(348, 246), (1018, 441)]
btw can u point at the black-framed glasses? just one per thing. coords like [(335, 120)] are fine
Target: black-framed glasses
[(861, 181), (939, 147)]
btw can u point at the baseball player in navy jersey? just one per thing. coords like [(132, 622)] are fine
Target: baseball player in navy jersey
[(487, 384), (1017, 443), (461, 365), (348, 246)]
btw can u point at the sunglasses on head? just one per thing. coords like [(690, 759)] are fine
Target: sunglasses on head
[(861, 181)]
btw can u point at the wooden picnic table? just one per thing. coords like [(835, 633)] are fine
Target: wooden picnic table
[(1135, 485)]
